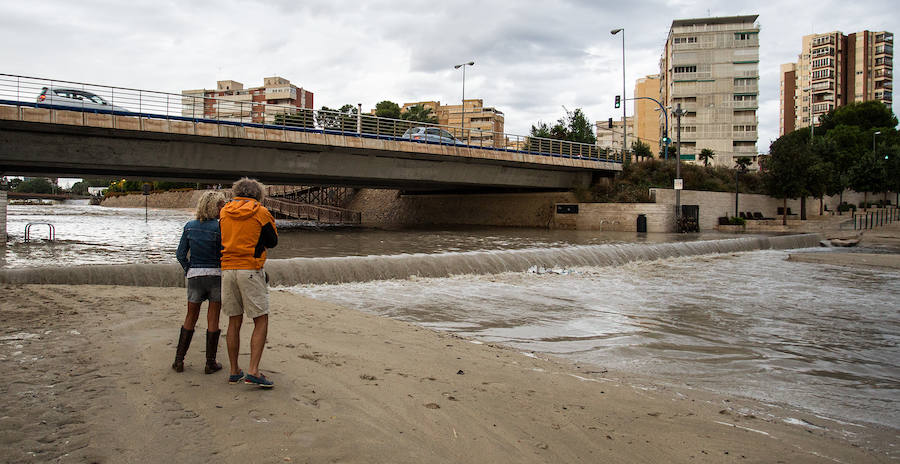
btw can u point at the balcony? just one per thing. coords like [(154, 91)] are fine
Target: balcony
[(826, 51), (826, 40), (744, 149), (886, 38), (745, 104)]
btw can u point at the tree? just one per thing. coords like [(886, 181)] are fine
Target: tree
[(742, 163), (419, 113), (641, 150), (574, 127), (787, 166), (865, 115), (302, 118), (705, 155), (35, 185), (343, 119), (387, 109)]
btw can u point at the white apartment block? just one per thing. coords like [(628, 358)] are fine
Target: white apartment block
[(710, 67)]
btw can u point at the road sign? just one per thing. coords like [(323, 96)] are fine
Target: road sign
[(679, 184)]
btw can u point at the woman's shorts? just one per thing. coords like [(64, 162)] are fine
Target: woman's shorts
[(203, 288)]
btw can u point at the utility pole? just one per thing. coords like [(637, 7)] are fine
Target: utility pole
[(678, 113)]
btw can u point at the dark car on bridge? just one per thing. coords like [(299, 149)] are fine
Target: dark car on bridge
[(75, 98), (431, 134)]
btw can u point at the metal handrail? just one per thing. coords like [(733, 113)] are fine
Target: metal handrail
[(52, 233), (151, 104)]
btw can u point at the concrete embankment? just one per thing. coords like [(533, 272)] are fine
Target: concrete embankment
[(183, 199), (287, 272), (390, 208)]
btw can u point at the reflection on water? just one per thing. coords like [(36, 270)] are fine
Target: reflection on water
[(820, 337)]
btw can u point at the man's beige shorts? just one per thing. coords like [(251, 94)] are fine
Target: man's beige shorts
[(244, 291)]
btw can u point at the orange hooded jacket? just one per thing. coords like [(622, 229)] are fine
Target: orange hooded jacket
[(247, 230)]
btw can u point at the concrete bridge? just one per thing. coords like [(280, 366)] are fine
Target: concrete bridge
[(166, 142)]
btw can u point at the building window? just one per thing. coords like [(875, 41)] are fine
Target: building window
[(685, 69), (744, 128), (681, 40), (742, 36), (745, 98)]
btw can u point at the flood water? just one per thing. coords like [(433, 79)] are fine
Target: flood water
[(817, 337)]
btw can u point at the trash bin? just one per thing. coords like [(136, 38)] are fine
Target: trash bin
[(642, 223)]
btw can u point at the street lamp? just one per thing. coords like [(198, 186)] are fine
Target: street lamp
[(462, 122), (624, 117)]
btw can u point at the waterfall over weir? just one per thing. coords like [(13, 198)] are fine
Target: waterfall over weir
[(288, 272)]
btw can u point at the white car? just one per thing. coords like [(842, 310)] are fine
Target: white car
[(75, 98)]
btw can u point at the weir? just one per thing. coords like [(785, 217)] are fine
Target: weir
[(296, 271)]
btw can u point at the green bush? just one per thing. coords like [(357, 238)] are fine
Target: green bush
[(736, 221), (633, 183), (846, 207)]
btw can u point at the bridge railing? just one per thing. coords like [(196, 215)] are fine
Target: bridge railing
[(240, 109)]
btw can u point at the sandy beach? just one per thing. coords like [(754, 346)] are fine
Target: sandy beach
[(87, 379)]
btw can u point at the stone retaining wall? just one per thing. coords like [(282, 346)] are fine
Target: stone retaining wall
[(3, 217), (618, 217), (171, 200), (387, 208)]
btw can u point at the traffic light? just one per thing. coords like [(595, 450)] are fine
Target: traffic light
[(610, 123), (618, 101), (666, 140)]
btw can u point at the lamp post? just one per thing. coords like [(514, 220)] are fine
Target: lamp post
[(678, 113), (462, 121), (665, 113), (624, 117)]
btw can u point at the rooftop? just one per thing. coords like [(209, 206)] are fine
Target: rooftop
[(715, 20)]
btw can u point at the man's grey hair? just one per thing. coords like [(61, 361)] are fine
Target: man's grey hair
[(248, 188), (209, 204)]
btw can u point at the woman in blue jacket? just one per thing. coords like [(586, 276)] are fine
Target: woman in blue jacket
[(200, 253)]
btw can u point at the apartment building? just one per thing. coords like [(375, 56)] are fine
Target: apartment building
[(710, 66), (610, 139), (231, 101), (483, 125), (646, 113), (834, 70)]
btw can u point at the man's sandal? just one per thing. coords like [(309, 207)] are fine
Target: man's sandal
[(259, 380)]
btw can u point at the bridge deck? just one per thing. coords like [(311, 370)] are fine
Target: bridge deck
[(29, 112)]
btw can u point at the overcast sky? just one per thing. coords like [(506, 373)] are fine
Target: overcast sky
[(532, 58)]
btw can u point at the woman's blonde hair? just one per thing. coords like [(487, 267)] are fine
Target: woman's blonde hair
[(248, 188), (208, 205)]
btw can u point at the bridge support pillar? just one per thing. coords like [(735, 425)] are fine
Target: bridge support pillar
[(2, 218)]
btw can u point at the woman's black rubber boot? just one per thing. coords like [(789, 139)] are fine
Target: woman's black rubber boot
[(212, 345), (184, 342)]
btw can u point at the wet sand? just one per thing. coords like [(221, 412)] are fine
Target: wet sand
[(87, 379), (884, 241)]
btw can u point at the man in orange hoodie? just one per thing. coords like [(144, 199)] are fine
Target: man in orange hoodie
[(248, 229)]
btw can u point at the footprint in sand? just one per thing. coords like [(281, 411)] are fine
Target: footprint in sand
[(257, 416)]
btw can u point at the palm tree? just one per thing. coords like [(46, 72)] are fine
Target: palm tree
[(742, 163), (706, 154)]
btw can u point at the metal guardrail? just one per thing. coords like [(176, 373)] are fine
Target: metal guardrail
[(317, 213), (24, 91), (877, 217)]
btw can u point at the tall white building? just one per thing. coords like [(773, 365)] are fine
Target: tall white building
[(711, 67)]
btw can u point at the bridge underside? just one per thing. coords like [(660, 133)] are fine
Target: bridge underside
[(30, 148)]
